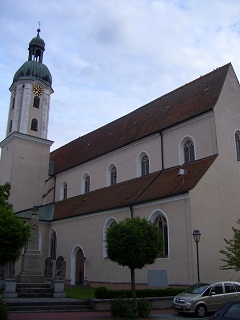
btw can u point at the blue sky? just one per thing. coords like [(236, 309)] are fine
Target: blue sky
[(109, 57)]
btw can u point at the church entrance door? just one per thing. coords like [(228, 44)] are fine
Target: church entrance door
[(79, 267)]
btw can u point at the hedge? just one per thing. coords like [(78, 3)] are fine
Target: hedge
[(104, 293)]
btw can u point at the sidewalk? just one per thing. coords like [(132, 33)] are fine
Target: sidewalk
[(72, 315)]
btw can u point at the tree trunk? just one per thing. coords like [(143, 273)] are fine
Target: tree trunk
[(134, 295)]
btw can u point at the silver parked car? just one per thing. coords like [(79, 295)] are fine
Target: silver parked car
[(205, 297)]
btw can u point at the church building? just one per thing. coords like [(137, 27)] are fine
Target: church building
[(174, 161)]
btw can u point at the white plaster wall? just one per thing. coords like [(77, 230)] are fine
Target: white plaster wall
[(87, 232), (201, 130), (215, 201), (125, 160), (24, 163)]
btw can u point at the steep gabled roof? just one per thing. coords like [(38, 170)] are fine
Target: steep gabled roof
[(186, 102), (154, 186)]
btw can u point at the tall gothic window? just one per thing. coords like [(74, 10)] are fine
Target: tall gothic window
[(65, 190), (34, 125), (145, 165), (189, 151), (53, 246), (36, 102), (237, 144), (113, 176), (87, 184), (10, 126), (13, 102), (161, 222)]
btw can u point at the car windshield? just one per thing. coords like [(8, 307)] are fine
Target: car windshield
[(197, 288)]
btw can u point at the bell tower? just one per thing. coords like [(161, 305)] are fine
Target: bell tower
[(25, 150)]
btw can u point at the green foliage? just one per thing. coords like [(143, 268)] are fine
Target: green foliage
[(133, 242), (3, 310), (80, 293), (104, 293), (14, 234), (144, 308), (232, 251), (4, 195), (121, 308)]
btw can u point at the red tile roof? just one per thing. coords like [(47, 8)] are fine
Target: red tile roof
[(186, 102), (154, 186)]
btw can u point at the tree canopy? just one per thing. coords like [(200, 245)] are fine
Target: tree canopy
[(232, 251), (14, 233), (133, 242)]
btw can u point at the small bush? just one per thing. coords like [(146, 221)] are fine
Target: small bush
[(122, 308), (3, 310), (144, 309), (101, 293)]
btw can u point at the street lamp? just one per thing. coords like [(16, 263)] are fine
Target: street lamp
[(196, 236)]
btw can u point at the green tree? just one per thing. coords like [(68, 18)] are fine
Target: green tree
[(232, 251), (135, 243), (14, 233)]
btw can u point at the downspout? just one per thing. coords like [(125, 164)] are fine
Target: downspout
[(161, 137), (131, 210), (54, 196)]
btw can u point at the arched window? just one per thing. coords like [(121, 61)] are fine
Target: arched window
[(160, 220), (145, 165), (87, 184), (10, 126), (36, 102), (64, 191), (237, 144), (113, 176), (53, 246), (108, 224), (189, 155), (34, 125)]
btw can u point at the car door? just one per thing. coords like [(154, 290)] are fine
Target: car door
[(217, 297), (230, 292)]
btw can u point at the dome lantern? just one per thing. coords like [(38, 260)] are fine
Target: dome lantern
[(34, 69)]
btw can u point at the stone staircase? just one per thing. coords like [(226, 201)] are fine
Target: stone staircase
[(48, 305)]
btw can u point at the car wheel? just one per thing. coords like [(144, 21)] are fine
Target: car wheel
[(201, 311)]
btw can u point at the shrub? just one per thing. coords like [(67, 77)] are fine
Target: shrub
[(101, 293), (3, 310), (122, 308), (144, 308), (104, 293)]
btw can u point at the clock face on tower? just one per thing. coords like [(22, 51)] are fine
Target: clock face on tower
[(38, 90)]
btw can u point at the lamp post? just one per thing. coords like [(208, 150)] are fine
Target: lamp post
[(196, 236)]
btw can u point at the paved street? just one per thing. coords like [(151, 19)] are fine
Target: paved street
[(162, 314)]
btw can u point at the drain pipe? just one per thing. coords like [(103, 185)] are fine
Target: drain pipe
[(161, 137)]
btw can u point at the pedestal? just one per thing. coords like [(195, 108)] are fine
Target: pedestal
[(58, 288), (10, 288)]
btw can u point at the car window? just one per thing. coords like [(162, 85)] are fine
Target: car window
[(237, 287), (233, 312), (217, 289), (197, 288), (206, 293), (229, 288)]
